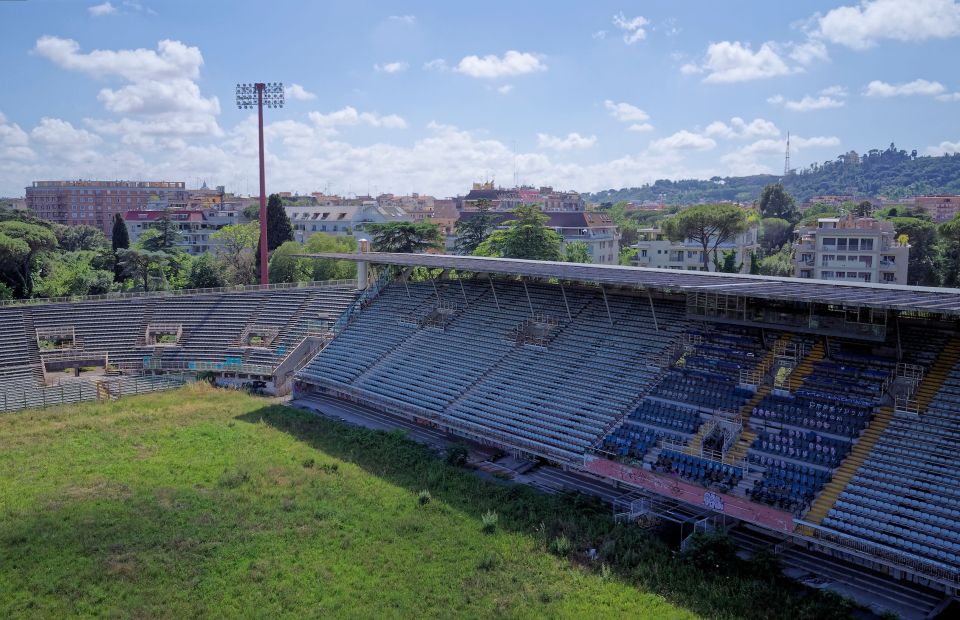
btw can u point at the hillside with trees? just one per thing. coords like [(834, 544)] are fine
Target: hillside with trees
[(890, 172)]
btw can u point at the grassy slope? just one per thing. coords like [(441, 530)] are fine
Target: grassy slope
[(198, 503)]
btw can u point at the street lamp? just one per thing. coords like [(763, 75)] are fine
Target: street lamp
[(261, 94)]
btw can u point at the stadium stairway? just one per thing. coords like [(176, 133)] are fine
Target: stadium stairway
[(33, 350), (842, 476), (805, 367), (933, 380), (747, 435)]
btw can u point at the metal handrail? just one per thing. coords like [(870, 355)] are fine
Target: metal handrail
[(35, 301)]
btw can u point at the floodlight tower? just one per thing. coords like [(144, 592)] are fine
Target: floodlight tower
[(261, 94)]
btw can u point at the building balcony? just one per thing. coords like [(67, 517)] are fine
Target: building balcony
[(846, 264)]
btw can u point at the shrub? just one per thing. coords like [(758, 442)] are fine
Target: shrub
[(489, 521), (308, 463), (561, 546), (423, 497), (234, 479), (765, 565), (457, 455), (711, 552), (488, 562)]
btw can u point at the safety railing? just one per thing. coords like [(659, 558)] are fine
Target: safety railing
[(176, 293), (13, 398)]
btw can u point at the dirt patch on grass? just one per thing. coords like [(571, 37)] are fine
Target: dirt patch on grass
[(122, 566)]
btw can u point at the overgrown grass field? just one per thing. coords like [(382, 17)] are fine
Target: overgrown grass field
[(200, 503)]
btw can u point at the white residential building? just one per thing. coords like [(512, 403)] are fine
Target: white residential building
[(851, 248), (345, 219), (196, 226), (654, 249)]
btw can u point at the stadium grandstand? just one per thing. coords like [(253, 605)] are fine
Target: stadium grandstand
[(821, 415), (62, 351)]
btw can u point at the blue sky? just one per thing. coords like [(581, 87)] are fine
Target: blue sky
[(421, 96)]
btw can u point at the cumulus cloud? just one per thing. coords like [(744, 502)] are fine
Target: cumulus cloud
[(739, 128), (733, 61), (832, 97), (570, 142), (492, 66), (505, 89), (683, 140), (392, 67), (808, 52), (295, 92), (865, 24), (753, 158), (14, 142), (878, 88), (633, 28), (944, 147), (625, 112), (171, 60), (161, 97), (350, 116), (99, 10)]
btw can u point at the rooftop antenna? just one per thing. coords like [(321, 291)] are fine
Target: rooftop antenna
[(786, 159)]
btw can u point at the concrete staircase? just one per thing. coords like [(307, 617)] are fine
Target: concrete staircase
[(842, 476), (805, 367), (933, 380)]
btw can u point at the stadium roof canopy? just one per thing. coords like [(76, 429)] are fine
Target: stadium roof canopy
[(862, 294)]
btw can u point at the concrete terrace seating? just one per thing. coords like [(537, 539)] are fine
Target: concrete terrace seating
[(102, 326), (822, 415), (555, 400), (701, 471), (786, 485), (906, 495)]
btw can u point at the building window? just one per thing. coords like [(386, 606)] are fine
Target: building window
[(889, 277), (866, 245)]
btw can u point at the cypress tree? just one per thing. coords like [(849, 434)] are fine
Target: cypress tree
[(119, 240), (279, 229)]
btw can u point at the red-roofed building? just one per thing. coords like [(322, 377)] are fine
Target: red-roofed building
[(195, 225)]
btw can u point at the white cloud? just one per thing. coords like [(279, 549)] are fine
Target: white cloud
[(172, 60), (754, 158), (505, 89), (493, 66), (948, 97), (944, 147), (864, 25), (640, 127), (739, 128), (572, 141), (161, 99), (683, 140), (632, 28), (599, 34), (878, 88), (99, 10), (808, 52), (62, 140), (831, 97), (407, 20), (392, 67), (733, 61), (14, 142), (295, 92), (350, 116), (625, 112), (437, 64)]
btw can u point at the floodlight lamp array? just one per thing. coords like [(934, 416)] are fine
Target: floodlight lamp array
[(272, 93)]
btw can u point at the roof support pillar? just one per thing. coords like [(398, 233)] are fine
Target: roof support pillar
[(529, 302), (462, 290), (653, 312), (494, 289), (403, 278), (435, 291), (605, 303), (564, 293)]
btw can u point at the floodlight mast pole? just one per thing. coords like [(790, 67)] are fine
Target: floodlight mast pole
[(264, 267)]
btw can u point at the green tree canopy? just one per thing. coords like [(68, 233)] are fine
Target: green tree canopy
[(238, 242), (206, 273), (776, 202), (577, 252), (524, 236), (21, 246), (119, 240), (162, 236), (924, 265), (405, 237), (74, 273), (779, 264), (474, 228), (708, 225), (286, 267), (728, 264), (76, 238), (141, 264), (279, 229), (326, 269), (774, 232)]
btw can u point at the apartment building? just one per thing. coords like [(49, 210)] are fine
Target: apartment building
[(196, 226), (340, 219), (851, 248), (94, 203), (654, 249), (940, 208)]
